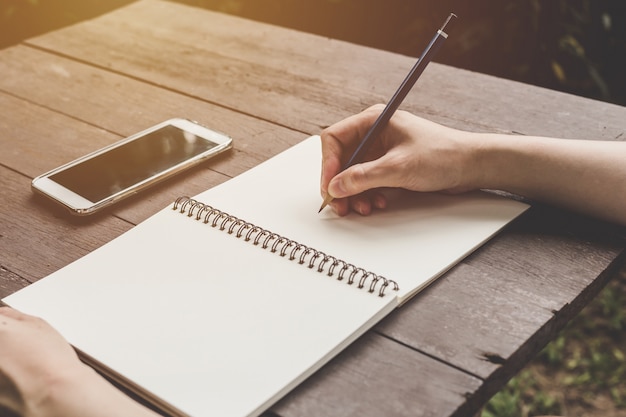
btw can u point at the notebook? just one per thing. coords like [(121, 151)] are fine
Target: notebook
[(223, 302)]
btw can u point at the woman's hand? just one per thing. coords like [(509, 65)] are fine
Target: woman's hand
[(411, 153)]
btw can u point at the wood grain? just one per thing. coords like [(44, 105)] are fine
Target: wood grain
[(10, 282), (361, 381), (43, 86), (38, 238), (280, 70), (124, 106)]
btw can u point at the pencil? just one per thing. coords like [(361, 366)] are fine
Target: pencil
[(395, 101)]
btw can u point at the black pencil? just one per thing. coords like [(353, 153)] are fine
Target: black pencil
[(395, 101)]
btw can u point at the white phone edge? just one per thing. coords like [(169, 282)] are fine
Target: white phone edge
[(78, 205)]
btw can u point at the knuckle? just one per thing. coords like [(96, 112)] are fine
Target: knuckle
[(378, 108), (357, 179)]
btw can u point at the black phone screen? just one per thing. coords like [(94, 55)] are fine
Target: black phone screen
[(121, 167)]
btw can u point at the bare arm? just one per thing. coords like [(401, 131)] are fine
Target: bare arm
[(584, 176), (419, 155)]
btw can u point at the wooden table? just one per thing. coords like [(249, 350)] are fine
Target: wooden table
[(445, 353)]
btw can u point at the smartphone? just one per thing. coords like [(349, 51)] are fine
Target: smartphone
[(117, 171)]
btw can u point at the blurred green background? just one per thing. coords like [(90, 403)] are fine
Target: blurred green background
[(576, 46)]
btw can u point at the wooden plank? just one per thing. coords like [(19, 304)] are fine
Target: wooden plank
[(220, 69), (284, 80), (377, 377), (124, 106), (35, 140), (47, 82), (10, 282), (506, 301), (37, 239)]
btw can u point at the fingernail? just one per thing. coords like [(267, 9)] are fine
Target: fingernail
[(380, 202), (363, 209)]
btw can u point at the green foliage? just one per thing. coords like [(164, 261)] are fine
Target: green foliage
[(586, 360), (522, 397)]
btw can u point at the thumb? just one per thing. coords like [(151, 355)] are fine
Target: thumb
[(359, 178)]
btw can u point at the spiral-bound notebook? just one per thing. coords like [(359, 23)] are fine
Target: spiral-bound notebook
[(222, 303)]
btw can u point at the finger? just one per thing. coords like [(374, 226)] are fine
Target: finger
[(348, 132), (382, 172), (335, 142), (379, 200), (366, 203), (339, 140), (340, 206), (331, 165), (361, 204)]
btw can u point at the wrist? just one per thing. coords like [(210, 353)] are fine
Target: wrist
[(54, 392), (492, 161), (82, 392)]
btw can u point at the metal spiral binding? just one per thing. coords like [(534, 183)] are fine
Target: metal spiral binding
[(305, 255)]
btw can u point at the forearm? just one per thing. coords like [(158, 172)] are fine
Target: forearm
[(585, 176)]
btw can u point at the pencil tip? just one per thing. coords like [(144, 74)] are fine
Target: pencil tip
[(327, 200)]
